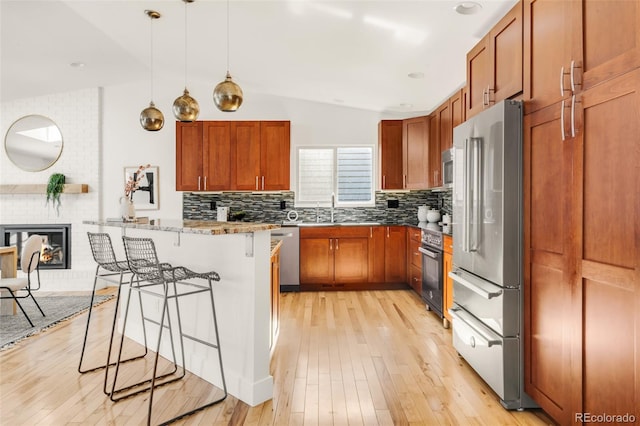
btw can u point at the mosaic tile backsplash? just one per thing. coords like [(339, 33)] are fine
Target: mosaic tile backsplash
[(267, 207)]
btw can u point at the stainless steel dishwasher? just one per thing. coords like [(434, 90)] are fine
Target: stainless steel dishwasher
[(289, 257)]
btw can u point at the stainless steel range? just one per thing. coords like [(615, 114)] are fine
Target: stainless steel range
[(432, 280)]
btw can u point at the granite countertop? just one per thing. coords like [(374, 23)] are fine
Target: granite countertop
[(206, 227)]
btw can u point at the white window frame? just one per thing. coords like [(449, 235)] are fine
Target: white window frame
[(327, 203)]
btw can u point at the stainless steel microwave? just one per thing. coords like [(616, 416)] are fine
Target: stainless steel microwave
[(447, 168)]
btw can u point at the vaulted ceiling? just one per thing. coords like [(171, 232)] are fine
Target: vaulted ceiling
[(352, 53)]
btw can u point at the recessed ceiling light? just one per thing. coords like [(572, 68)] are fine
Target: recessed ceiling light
[(416, 74), (468, 8), (77, 64)]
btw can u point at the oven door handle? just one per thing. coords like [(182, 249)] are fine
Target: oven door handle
[(428, 253), (485, 338), (471, 286)]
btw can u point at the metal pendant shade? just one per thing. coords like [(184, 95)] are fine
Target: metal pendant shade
[(227, 95), (151, 118), (185, 107)]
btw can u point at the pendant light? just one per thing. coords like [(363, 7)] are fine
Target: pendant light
[(227, 95), (186, 108), (151, 118)]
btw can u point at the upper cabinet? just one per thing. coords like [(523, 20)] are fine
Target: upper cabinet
[(494, 65), (573, 46), (232, 155), (390, 153), (403, 147), (415, 151)]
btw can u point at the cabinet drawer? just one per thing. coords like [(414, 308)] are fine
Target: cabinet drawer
[(335, 232), (415, 234), (415, 279), (415, 256)]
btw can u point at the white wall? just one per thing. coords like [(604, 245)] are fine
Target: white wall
[(102, 136), (77, 114)]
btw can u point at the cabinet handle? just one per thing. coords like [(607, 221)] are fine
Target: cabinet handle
[(337, 244), (484, 98), (263, 183), (562, 119), (371, 232), (387, 232), (199, 182), (562, 74), (205, 183), (257, 183), (489, 90), (330, 244), (404, 181), (573, 116), (384, 182), (573, 83)]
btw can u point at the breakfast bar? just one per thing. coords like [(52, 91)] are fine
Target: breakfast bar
[(240, 254)]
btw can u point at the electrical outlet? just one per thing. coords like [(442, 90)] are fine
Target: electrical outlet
[(283, 205), (393, 204), (213, 205)]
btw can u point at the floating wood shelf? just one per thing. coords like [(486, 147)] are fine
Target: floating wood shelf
[(71, 188)]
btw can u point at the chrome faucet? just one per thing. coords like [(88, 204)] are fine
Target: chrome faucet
[(333, 202)]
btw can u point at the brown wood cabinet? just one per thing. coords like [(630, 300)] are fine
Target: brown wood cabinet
[(275, 297), (447, 266), (457, 115), (333, 257), (390, 152), (494, 65), (435, 152), (415, 151), (395, 254), (232, 155), (414, 259), (582, 269)]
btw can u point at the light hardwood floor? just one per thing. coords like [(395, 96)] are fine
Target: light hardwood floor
[(361, 358)]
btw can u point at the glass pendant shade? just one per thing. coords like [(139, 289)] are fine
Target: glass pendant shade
[(151, 118), (186, 108), (227, 95)]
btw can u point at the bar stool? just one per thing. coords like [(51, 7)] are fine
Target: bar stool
[(163, 280), (108, 266)]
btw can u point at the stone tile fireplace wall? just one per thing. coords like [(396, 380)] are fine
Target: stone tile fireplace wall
[(77, 114)]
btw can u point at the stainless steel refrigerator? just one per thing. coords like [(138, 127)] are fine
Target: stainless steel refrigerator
[(487, 254)]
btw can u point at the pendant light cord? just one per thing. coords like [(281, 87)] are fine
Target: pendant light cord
[(151, 52), (227, 36), (185, 45)]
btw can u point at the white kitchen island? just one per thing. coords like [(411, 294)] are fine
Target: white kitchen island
[(240, 254)]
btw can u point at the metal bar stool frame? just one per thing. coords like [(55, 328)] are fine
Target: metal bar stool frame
[(104, 256), (150, 274)]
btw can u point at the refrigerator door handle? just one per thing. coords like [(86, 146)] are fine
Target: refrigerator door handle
[(465, 198), (471, 286), (477, 193)]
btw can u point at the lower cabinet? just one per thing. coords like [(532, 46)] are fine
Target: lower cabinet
[(447, 266), (275, 296), (352, 257)]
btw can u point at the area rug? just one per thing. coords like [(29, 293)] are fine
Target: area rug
[(14, 328)]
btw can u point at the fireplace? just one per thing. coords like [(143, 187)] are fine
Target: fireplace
[(56, 242)]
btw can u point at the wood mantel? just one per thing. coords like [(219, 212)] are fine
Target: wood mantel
[(70, 188)]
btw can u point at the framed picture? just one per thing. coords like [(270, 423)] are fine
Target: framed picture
[(146, 196)]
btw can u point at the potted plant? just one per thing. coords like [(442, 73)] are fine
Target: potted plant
[(55, 186)]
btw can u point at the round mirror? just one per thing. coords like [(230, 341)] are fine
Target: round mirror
[(33, 143)]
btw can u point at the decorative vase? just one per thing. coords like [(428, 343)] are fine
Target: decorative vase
[(422, 213), (127, 209), (433, 216)]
